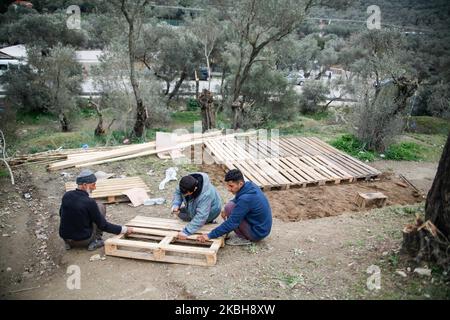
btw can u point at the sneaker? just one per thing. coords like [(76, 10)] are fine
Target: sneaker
[(95, 244), (236, 241)]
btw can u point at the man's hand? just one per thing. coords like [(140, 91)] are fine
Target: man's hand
[(175, 210), (223, 215), (203, 238), (129, 230), (182, 236)]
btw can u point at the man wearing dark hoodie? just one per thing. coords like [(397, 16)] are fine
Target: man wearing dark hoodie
[(249, 214)]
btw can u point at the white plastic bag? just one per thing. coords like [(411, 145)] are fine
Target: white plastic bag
[(153, 201), (171, 174)]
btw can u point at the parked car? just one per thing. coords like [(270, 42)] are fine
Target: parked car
[(203, 73)]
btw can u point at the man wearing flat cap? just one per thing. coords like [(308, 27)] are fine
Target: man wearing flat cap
[(82, 218)]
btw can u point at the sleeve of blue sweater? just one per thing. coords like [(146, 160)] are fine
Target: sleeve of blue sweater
[(234, 220), (100, 221)]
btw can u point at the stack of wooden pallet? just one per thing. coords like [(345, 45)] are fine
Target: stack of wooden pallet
[(155, 239), (83, 159), (112, 190), (288, 162)]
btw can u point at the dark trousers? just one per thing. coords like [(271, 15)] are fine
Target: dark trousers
[(97, 234)]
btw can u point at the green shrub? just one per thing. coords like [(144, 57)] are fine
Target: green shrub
[(192, 105), (409, 151), (87, 112), (351, 145)]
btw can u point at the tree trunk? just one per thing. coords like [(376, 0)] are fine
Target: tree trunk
[(99, 130), (437, 207), (197, 88), (167, 88), (207, 109), (178, 85), (64, 122), (238, 108), (141, 111)]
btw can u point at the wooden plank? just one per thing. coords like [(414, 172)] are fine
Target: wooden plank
[(167, 248), (149, 257), (250, 175), (268, 170), (322, 169), (176, 223), (316, 176), (154, 246), (343, 174), (353, 160), (294, 177)]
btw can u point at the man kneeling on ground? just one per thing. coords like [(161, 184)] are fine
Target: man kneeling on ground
[(202, 202), (82, 218), (248, 214)]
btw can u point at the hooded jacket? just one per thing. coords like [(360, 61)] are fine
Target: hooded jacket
[(251, 205), (202, 207)]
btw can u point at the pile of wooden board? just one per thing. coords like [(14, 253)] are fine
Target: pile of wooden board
[(288, 162), (112, 190), (155, 239), (83, 159)]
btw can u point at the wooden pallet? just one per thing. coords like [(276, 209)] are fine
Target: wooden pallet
[(111, 190), (154, 239), (288, 162)]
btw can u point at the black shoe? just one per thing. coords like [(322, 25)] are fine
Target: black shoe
[(95, 244)]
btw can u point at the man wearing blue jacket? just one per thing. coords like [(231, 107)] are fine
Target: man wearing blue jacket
[(249, 214), (202, 202)]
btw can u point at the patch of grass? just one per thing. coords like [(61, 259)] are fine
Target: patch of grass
[(291, 280), (67, 140), (432, 145), (4, 173), (34, 118), (295, 128), (186, 117), (429, 125), (408, 151), (394, 260), (253, 248), (351, 145), (318, 116)]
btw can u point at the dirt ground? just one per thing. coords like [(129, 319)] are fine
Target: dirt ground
[(303, 258)]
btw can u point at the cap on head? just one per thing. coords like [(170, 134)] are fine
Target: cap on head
[(86, 176), (188, 184)]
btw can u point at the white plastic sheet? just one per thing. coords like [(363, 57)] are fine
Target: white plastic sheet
[(171, 174)]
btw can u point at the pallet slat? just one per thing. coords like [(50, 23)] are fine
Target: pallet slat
[(289, 161), (165, 246)]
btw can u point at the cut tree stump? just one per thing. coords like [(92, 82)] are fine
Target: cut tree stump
[(368, 198)]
